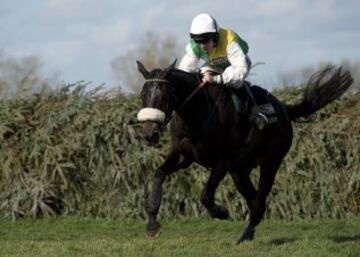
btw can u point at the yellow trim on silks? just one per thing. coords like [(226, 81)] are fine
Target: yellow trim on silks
[(218, 56)]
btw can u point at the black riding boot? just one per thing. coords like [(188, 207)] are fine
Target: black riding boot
[(255, 116)]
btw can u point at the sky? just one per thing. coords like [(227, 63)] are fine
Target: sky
[(79, 38)]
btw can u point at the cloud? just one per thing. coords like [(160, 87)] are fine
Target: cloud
[(81, 37)]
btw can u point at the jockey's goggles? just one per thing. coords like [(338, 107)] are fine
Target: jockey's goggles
[(202, 38)]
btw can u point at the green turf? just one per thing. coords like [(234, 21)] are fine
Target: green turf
[(188, 237)]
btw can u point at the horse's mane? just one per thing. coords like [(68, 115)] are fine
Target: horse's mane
[(187, 78)]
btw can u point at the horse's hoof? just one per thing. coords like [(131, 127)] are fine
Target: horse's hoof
[(154, 231), (244, 238), (221, 213), (247, 235)]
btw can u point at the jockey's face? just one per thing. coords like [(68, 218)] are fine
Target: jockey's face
[(207, 45)]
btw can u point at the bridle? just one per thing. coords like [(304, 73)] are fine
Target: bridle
[(168, 117), (158, 80), (154, 114)]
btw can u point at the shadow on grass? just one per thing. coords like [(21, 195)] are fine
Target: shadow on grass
[(281, 241), (342, 239)]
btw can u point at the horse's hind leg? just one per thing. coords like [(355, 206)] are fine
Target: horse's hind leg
[(172, 163), (243, 184), (208, 195), (268, 171)]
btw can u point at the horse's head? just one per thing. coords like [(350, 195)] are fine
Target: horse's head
[(155, 95)]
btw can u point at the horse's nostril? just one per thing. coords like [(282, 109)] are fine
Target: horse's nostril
[(151, 132), (155, 138), (152, 138)]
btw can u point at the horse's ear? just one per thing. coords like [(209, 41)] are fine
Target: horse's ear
[(142, 69), (170, 68)]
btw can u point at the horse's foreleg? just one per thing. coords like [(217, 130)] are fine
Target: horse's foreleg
[(154, 201), (208, 195), (267, 176), (172, 163)]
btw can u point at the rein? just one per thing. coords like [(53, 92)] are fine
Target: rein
[(186, 101), (212, 111), (210, 116), (188, 98)]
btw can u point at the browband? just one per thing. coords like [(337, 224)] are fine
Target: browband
[(157, 80)]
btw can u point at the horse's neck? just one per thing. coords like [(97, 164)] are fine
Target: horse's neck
[(198, 111), (213, 105), (184, 82)]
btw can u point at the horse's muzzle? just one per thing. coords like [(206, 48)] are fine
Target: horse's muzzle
[(151, 132)]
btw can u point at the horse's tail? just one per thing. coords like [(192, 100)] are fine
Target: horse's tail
[(322, 88)]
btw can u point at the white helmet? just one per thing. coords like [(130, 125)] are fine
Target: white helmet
[(203, 23)]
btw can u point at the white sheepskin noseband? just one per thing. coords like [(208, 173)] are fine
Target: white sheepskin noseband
[(151, 114)]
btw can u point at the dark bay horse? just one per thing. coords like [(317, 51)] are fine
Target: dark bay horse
[(208, 129)]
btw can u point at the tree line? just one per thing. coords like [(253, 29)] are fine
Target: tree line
[(24, 75)]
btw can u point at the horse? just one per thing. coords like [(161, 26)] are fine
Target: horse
[(207, 128)]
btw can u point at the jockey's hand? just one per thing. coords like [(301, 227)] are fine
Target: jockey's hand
[(206, 78)]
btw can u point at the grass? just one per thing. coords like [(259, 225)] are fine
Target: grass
[(189, 237)]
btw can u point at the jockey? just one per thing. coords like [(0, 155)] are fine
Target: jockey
[(225, 57)]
